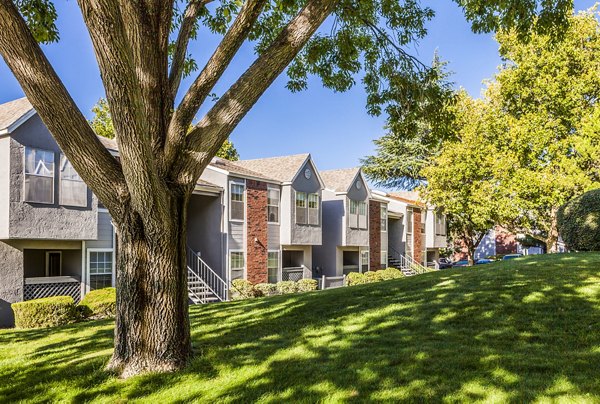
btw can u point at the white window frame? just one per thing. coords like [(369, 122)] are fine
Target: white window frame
[(384, 218), (352, 217), (278, 264), (366, 215), (243, 201), (60, 265), (278, 206), (308, 209), (384, 258), (60, 182), (362, 255), (25, 174), (305, 208), (88, 269), (231, 252)]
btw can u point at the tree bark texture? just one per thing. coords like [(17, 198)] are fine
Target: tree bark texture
[(552, 239), (152, 330)]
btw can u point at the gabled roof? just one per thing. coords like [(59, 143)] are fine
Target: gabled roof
[(233, 168), (14, 113), (283, 169), (340, 180)]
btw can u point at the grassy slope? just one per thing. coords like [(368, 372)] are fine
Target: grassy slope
[(521, 330)]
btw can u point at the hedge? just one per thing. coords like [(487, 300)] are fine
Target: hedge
[(242, 289), (266, 289), (100, 303), (47, 312), (579, 222), (286, 287), (307, 285)]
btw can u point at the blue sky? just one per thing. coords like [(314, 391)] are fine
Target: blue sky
[(333, 127)]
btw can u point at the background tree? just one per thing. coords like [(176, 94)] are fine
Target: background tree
[(548, 93), (462, 180), (141, 49), (102, 124)]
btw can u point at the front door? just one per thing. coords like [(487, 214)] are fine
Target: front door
[(53, 263)]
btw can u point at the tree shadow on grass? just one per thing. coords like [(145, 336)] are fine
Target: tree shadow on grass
[(460, 335)]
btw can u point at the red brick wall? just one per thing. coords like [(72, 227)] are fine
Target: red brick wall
[(375, 235), (256, 211), (418, 237), (506, 242)]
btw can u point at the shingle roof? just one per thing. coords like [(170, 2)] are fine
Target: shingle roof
[(110, 144), (11, 112), (339, 180), (237, 169), (282, 169), (410, 197)]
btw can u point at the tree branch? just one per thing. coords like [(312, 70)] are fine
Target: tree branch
[(181, 44), (206, 137), (206, 80), (123, 33), (51, 100)]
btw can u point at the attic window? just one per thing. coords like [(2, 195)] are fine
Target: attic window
[(39, 176)]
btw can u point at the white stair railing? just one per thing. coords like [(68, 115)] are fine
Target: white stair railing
[(199, 271), (408, 263)]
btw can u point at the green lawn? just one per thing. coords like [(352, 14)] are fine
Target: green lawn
[(522, 330)]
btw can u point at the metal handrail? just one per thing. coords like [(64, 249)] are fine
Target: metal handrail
[(408, 262), (199, 270)]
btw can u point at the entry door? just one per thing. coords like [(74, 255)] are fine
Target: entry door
[(53, 263)]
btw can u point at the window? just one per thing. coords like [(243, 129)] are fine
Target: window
[(358, 215), (362, 215), (409, 232), (384, 259), (236, 264), (273, 206), (423, 220), (384, 218), (39, 176), (53, 263), (100, 268), (440, 225), (273, 266), (364, 261), (313, 209), (353, 215), (236, 204), (301, 210), (73, 191)]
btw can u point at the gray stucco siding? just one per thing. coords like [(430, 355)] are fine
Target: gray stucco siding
[(4, 186), (11, 284), (44, 221)]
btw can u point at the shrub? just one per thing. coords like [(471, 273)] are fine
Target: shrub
[(355, 278), (579, 222), (47, 312), (390, 273), (242, 289), (307, 285), (100, 303), (372, 276), (286, 287), (266, 289)]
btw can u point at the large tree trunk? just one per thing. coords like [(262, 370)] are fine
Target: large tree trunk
[(552, 239), (152, 331)]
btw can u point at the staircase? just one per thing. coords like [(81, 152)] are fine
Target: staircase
[(405, 263), (204, 284)]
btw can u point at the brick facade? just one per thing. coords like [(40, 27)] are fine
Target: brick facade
[(506, 242), (418, 236), (256, 212), (374, 235)]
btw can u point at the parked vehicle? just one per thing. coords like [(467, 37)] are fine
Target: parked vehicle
[(445, 263), (511, 256), (461, 263), (483, 261)]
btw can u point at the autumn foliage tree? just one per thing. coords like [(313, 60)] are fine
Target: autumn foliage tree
[(142, 52)]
